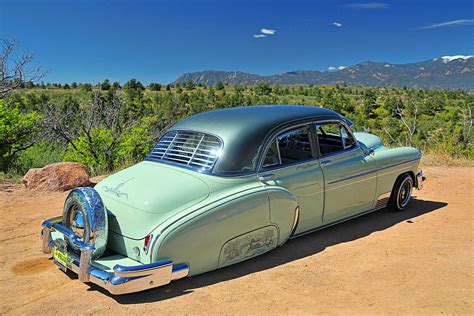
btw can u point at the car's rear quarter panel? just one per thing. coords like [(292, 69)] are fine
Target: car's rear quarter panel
[(199, 238)]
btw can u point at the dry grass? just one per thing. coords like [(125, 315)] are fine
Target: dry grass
[(440, 159)]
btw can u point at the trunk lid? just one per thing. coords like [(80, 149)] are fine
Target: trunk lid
[(142, 196)]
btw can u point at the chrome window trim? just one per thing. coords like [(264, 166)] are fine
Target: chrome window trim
[(350, 134), (313, 140), (278, 150), (278, 153), (274, 136)]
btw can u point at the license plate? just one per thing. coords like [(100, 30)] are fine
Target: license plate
[(61, 257)]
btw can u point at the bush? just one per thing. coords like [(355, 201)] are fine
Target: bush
[(101, 153), (18, 130), (154, 86), (38, 156)]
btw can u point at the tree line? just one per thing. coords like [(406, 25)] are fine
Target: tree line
[(107, 85), (107, 129)]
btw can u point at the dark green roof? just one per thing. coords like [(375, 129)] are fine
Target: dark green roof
[(244, 130)]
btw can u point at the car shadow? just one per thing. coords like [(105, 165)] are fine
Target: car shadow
[(294, 249)]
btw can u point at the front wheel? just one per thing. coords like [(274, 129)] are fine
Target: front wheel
[(401, 193)]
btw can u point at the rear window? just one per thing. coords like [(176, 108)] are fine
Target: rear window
[(188, 148)]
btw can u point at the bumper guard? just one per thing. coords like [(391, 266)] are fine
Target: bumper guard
[(123, 279), (420, 178)]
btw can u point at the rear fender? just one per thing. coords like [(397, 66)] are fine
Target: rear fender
[(198, 240)]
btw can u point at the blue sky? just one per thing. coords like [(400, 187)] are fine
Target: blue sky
[(156, 41)]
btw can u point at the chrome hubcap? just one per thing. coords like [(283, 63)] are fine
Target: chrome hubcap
[(405, 193), (76, 221)]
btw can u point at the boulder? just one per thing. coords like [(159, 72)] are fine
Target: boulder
[(61, 176)]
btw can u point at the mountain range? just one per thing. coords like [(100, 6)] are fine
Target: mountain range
[(448, 72)]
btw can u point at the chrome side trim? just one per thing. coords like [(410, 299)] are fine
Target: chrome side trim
[(373, 171), (295, 221), (398, 164), (123, 279), (333, 223), (341, 152), (354, 176), (293, 164)]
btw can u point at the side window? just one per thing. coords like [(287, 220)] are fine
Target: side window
[(273, 157), (288, 148), (333, 137)]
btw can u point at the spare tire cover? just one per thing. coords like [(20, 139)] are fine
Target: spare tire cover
[(85, 215)]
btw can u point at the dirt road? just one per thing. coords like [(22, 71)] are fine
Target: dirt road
[(418, 261)]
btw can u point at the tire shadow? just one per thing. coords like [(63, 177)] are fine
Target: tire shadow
[(292, 250)]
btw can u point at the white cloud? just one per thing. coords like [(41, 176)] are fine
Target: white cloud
[(264, 33), (337, 24), (368, 5), (449, 24), (268, 31), (336, 68)]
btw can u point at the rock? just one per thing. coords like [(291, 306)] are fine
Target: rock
[(61, 176)]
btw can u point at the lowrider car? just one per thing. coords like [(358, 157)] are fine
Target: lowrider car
[(224, 186)]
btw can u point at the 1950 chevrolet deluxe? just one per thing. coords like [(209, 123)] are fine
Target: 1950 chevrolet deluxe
[(221, 187)]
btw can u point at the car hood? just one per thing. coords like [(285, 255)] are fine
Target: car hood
[(142, 196)]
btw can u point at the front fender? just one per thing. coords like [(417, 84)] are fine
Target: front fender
[(391, 163)]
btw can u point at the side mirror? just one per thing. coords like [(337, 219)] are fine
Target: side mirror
[(370, 151)]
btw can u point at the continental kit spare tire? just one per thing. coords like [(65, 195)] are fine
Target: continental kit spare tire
[(84, 214)]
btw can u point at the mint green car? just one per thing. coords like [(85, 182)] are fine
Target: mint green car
[(224, 186)]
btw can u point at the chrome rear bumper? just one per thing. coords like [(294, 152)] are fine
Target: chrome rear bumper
[(123, 279), (420, 178)]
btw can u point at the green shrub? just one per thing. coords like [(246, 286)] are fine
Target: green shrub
[(38, 156), (102, 153), (18, 130)]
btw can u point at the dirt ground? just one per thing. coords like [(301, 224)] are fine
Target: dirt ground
[(418, 261)]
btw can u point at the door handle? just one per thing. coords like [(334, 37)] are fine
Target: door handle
[(266, 177), (325, 163)]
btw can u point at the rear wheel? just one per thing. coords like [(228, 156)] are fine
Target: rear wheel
[(401, 193)]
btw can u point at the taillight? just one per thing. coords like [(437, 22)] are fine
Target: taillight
[(146, 242)]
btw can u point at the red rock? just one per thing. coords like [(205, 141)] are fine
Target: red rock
[(61, 176)]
